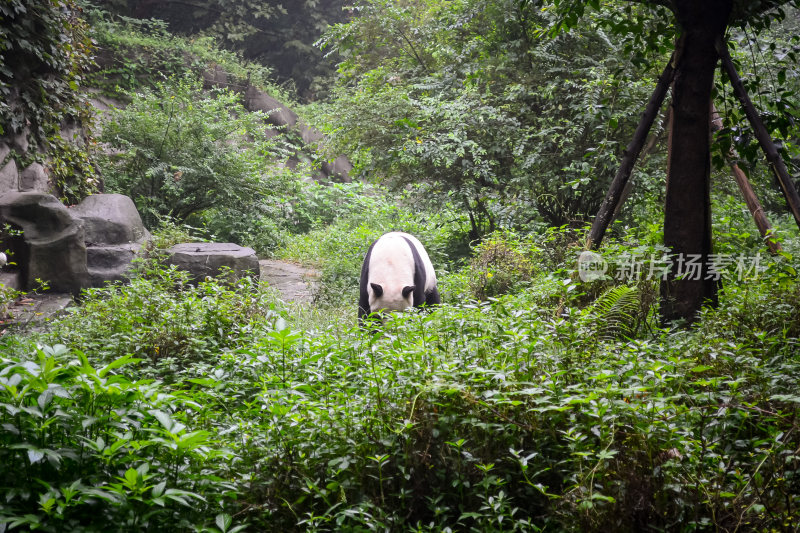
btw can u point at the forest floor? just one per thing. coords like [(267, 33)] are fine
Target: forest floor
[(294, 282)]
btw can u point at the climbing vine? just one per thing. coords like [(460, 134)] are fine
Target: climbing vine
[(45, 49)]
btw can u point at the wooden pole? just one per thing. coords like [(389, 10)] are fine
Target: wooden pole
[(615, 191), (750, 198), (773, 157)]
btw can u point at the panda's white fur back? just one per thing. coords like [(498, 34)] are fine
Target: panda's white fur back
[(391, 265)]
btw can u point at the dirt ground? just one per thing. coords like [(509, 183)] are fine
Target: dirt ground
[(295, 283)]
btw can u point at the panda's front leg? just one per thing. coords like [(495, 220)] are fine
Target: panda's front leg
[(432, 297)]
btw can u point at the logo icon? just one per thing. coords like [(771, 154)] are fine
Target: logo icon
[(591, 266)]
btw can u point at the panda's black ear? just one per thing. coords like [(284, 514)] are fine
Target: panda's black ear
[(408, 289), (377, 289)]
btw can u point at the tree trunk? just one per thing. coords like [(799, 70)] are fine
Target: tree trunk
[(687, 210)]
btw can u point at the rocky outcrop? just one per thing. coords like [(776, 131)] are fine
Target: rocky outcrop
[(277, 113), (9, 176), (114, 235), (339, 169), (281, 118), (110, 219), (72, 249), (51, 247), (34, 177), (206, 259)]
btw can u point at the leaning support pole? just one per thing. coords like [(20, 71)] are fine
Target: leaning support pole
[(750, 198), (764, 139), (612, 200)]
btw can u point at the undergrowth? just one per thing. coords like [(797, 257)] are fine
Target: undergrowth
[(161, 405)]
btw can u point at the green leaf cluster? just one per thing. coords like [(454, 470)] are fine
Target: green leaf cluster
[(532, 411), (180, 152), (475, 98)]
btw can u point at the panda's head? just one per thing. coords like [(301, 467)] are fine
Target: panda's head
[(387, 298)]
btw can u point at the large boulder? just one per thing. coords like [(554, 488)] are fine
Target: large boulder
[(51, 247), (110, 219), (114, 235), (338, 169), (9, 176), (34, 178), (208, 259), (277, 113)]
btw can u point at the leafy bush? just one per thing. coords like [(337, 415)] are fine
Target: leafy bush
[(476, 98), (179, 152), (500, 264), (161, 317), (138, 52), (169, 233), (83, 447)]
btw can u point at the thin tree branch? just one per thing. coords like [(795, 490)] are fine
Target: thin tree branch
[(773, 157), (750, 198), (609, 205)]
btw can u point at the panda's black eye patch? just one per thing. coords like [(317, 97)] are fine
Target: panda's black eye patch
[(377, 289), (408, 289)]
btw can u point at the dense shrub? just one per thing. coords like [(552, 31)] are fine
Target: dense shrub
[(179, 152), (500, 264), (499, 416), (85, 448), (161, 316)]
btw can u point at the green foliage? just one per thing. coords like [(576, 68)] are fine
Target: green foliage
[(137, 53), (499, 416), (279, 34), (179, 152), (169, 233), (82, 446), (473, 98), (163, 318), (501, 263), (767, 65), (45, 52)]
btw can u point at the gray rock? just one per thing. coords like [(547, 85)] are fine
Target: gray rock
[(112, 262), (310, 134), (52, 245), (114, 235), (277, 113), (71, 132), (102, 103), (110, 219), (208, 258), (34, 178), (9, 177), (20, 140), (339, 168), (215, 76)]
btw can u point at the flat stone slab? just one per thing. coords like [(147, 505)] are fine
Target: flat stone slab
[(203, 259)]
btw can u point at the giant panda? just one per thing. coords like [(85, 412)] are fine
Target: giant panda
[(397, 274)]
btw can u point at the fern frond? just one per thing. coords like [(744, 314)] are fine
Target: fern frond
[(614, 313)]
